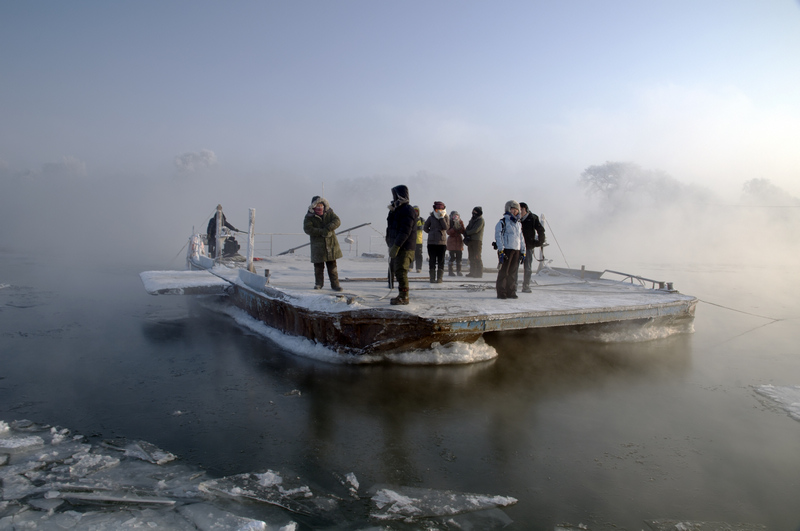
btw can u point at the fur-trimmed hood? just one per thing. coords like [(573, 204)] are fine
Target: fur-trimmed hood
[(317, 200)]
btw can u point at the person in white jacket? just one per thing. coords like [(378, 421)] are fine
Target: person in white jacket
[(510, 250)]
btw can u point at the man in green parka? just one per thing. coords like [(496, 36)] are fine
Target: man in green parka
[(320, 224)]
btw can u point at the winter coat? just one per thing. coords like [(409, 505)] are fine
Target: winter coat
[(475, 227), (321, 229), (436, 227), (455, 240), (401, 221), (531, 229), (211, 230), (508, 233)]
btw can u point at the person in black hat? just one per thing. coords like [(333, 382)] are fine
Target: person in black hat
[(401, 237), (473, 237), (533, 232), (211, 230)]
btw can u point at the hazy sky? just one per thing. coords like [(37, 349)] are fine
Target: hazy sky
[(708, 91)]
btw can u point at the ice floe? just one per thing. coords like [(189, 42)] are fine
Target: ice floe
[(786, 397), (53, 479), (676, 525)]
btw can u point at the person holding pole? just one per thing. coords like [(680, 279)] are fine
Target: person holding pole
[(217, 220), (320, 223)]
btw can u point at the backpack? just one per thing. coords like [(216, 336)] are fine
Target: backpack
[(230, 247)]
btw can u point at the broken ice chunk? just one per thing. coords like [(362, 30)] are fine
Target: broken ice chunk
[(21, 443), (270, 487), (120, 497), (787, 397), (209, 518), (397, 503), (677, 525), (140, 450), (89, 464)]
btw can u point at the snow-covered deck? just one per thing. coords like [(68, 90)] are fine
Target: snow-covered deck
[(361, 320)]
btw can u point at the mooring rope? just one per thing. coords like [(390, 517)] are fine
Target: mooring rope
[(742, 311), (557, 244)]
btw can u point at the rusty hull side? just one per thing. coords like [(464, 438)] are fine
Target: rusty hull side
[(353, 332)]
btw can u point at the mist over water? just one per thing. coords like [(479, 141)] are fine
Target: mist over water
[(579, 430)]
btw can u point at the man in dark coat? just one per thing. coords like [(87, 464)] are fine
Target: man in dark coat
[(320, 223), (533, 232), (473, 237), (401, 236), (211, 230)]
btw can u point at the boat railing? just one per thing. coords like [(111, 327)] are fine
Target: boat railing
[(654, 284)]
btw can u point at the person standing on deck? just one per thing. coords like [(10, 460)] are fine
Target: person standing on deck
[(320, 223), (211, 231), (473, 237), (455, 243), (436, 226), (533, 232), (401, 235), (420, 235), (510, 243)]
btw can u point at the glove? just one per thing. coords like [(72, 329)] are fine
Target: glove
[(393, 251), (521, 258), (467, 239), (501, 257)]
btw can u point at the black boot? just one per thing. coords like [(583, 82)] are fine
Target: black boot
[(433, 276), (319, 275), (333, 275), (401, 299)]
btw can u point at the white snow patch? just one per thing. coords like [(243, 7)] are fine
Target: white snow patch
[(269, 479)]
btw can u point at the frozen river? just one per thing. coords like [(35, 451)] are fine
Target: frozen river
[(691, 428)]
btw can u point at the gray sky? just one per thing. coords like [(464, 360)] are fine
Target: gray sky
[(276, 98)]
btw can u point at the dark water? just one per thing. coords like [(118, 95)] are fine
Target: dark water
[(604, 434)]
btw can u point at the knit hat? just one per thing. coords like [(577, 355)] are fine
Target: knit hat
[(438, 205), (511, 204)]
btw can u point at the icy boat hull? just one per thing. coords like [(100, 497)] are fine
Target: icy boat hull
[(362, 331), (361, 321)]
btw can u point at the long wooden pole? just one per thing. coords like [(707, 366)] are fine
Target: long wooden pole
[(293, 249)]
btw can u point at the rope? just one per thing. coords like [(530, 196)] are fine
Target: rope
[(772, 320), (179, 252), (557, 244), (741, 311)]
